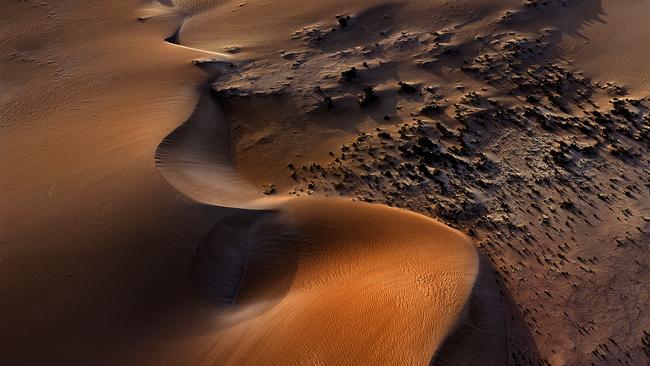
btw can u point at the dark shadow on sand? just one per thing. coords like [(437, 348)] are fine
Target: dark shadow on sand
[(484, 337)]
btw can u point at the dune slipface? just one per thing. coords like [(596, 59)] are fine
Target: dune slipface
[(196, 159)]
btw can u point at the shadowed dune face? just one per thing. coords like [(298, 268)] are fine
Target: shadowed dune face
[(481, 338), (613, 56), (196, 159), (90, 232)]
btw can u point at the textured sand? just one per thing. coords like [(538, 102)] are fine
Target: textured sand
[(95, 242), (120, 152), (325, 281)]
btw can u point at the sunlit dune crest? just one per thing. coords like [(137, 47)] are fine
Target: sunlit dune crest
[(331, 282)]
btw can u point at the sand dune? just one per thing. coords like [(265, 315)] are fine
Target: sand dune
[(328, 282), (88, 94), (126, 90), (156, 158), (196, 159)]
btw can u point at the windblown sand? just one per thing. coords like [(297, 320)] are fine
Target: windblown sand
[(157, 160), (325, 281)]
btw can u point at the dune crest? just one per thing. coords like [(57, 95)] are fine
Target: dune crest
[(196, 159), (323, 275), (328, 281)]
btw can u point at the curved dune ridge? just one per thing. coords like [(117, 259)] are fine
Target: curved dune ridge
[(321, 281), (313, 281), (196, 159), (327, 281), (314, 277)]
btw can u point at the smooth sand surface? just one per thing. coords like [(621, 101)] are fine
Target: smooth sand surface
[(610, 47), (196, 159)]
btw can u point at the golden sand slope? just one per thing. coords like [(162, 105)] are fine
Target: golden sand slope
[(329, 282), (196, 159), (610, 46)]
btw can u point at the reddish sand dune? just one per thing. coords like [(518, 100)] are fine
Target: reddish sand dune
[(325, 281), (150, 150)]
